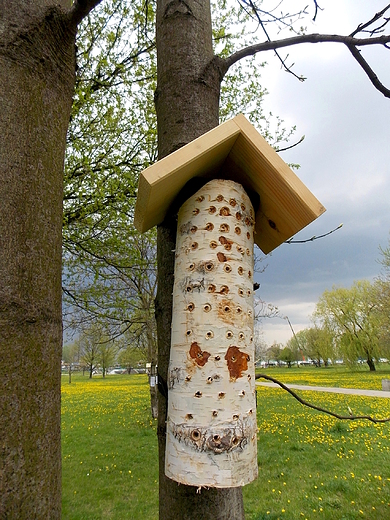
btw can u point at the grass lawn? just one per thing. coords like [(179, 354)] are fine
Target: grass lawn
[(310, 465)]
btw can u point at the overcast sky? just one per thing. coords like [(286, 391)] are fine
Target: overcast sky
[(345, 162)]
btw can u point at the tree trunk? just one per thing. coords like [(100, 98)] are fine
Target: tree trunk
[(36, 86), (187, 103), (371, 364)]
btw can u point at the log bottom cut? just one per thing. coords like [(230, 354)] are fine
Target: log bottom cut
[(211, 425)]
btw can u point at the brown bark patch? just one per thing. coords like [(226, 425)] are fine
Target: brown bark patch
[(200, 357), (237, 362)]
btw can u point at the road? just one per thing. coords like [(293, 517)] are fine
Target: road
[(352, 391)]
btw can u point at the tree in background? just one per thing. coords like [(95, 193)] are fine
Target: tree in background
[(37, 80), (351, 315), (287, 356), (382, 296)]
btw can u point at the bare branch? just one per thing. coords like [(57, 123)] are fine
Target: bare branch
[(251, 50), (377, 16), (292, 241), (350, 41), (317, 8), (291, 146), (318, 408), (368, 70)]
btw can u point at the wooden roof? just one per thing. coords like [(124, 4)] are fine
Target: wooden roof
[(233, 150)]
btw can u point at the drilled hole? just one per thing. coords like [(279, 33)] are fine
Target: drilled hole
[(243, 208), (209, 226), (221, 395), (226, 308), (224, 288), (250, 412), (229, 334), (241, 336), (191, 267), (248, 252), (251, 339), (212, 209), (241, 292), (209, 266), (227, 268), (219, 198), (249, 312), (213, 244), (194, 245), (249, 377), (214, 413), (240, 270), (211, 288), (198, 394), (190, 307), (189, 288), (200, 198), (188, 332), (238, 215), (217, 358), (249, 274), (224, 228), (241, 250), (209, 380), (194, 229), (235, 440), (209, 334), (224, 212), (207, 307), (248, 235), (188, 378), (249, 292), (189, 416), (238, 310), (195, 211), (235, 417), (216, 438), (237, 230), (195, 434), (248, 221), (248, 358), (232, 202), (242, 393)]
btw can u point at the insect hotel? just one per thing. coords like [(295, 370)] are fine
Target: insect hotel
[(238, 192)]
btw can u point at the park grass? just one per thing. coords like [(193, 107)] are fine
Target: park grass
[(310, 464)]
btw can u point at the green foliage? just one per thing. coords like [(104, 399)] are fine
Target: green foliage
[(382, 295), (109, 273), (109, 270), (351, 315)]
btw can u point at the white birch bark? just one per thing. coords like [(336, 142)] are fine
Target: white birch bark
[(211, 424)]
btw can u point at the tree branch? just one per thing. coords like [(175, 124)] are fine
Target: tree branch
[(80, 9), (318, 408), (350, 41), (314, 237), (368, 70)]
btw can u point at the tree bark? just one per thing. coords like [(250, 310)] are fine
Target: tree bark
[(36, 85), (187, 104)]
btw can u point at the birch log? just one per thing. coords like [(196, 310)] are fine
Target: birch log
[(211, 424)]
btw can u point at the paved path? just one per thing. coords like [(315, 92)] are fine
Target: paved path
[(353, 391)]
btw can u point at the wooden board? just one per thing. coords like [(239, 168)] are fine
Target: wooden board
[(234, 150)]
